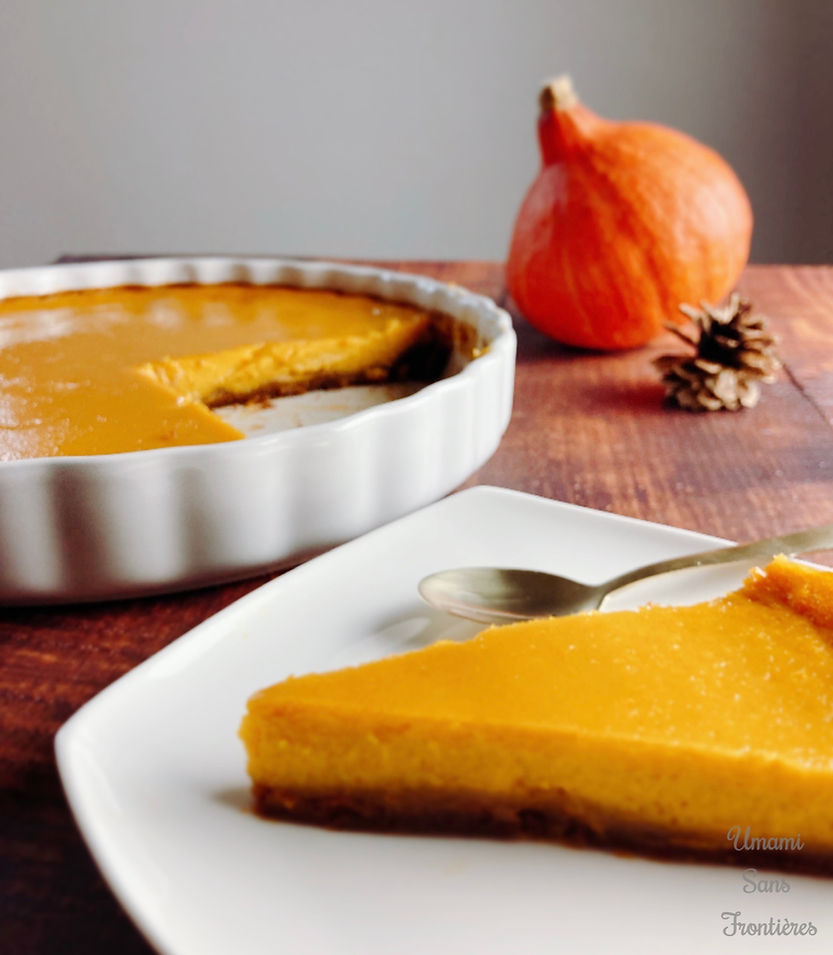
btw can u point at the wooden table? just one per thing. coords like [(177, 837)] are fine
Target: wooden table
[(590, 429)]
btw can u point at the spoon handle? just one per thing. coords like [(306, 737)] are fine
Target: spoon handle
[(814, 538)]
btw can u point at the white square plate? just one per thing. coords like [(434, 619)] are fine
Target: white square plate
[(155, 773)]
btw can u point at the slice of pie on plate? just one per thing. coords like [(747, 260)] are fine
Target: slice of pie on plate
[(702, 731)]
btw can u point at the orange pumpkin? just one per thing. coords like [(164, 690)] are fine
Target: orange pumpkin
[(624, 222)]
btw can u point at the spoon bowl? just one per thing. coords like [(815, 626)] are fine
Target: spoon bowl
[(504, 595)]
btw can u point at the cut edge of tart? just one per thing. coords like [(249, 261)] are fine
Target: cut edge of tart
[(413, 350)]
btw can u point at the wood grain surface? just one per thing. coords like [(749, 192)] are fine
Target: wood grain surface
[(587, 428)]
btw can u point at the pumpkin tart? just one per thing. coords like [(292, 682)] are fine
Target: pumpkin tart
[(124, 369), (670, 730)]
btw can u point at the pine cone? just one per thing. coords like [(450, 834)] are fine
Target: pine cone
[(734, 352)]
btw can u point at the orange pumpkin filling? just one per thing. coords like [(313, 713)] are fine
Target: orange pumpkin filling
[(126, 369)]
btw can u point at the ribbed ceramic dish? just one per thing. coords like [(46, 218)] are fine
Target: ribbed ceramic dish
[(81, 528)]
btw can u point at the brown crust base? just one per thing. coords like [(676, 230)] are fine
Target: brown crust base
[(372, 813)]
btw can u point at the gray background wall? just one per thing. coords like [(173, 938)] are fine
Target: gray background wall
[(379, 128)]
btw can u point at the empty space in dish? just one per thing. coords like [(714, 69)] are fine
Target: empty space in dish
[(314, 407)]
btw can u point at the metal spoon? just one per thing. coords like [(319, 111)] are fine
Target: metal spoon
[(498, 595)]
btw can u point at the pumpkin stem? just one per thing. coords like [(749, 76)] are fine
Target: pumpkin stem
[(560, 120), (558, 95)]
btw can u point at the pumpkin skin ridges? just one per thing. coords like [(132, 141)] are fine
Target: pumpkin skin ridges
[(608, 243)]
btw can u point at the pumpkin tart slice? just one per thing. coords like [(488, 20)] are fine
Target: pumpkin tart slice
[(701, 731)]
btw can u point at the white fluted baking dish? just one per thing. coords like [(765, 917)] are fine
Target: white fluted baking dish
[(80, 528)]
